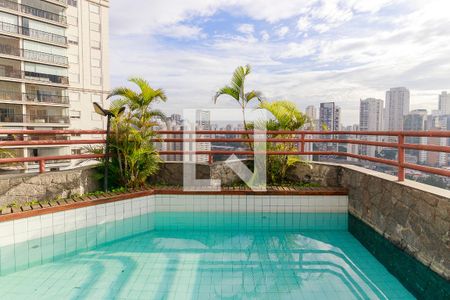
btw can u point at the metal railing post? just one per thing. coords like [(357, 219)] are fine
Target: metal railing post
[(41, 166), (401, 158)]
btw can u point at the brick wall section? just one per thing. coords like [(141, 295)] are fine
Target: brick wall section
[(21, 188), (413, 216)]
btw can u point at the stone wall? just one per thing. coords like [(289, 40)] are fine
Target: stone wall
[(21, 188), (172, 173), (413, 216)]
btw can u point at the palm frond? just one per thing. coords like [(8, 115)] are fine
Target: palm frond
[(227, 90), (123, 92), (252, 95)]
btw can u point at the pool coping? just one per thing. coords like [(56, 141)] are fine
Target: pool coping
[(85, 201)]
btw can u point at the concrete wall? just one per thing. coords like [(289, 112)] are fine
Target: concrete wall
[(22, 188)]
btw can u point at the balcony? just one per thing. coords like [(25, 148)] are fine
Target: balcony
[(47, 98), (39, 97), (45, 57), (11, 118), (35, 119), (33, 33), (28, 75), (10, 72), (29, 10), (48, 119), (48, 78), (34, 55), (58, 2), (10, 95)]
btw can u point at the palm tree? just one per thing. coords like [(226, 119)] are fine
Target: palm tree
[(135, 156), (286, 117), (139, 104), (236, 90)]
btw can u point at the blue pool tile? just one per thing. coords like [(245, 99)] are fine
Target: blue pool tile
[(202, 256)]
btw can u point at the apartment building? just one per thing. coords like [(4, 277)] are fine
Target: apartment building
[(53, 65), (370, 119), (203, 122), (416, 121), (397, 106), (444, 103)]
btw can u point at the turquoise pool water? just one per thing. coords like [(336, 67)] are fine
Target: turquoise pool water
[(216, 256)]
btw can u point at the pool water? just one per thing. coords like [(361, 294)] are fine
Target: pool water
[(175, 262)]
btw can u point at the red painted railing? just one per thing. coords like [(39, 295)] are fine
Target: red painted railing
[(20, 138)]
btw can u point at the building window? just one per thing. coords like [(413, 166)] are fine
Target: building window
[(76, 151), (95, 62), (95, 45), (72, 2), (75, 114), (95, 27), (94, 8), (73, 42)]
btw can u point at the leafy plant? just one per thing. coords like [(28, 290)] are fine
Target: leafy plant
[(236, 90), (134, 157), (4, 153), (287, 117)]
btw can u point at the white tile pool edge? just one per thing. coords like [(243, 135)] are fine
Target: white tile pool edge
[(22, 230)]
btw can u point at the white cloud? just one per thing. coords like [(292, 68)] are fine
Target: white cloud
[(349, 60), (246, 28), (303, 24), (264, 36), (298, 50), (281, 32), (182, 31)]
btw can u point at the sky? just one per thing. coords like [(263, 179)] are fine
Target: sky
[(305, 51)]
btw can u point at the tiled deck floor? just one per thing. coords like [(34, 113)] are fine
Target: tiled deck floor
[(213, 265)]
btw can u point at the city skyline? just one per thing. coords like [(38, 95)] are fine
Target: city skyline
[(313, 112), (303, 51)]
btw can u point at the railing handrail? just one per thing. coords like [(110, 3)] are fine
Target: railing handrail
[(44, 97), (53, 37), (21, 52), (25, 118), (23, 8), (430, 133), (299, 137), (19, 74)]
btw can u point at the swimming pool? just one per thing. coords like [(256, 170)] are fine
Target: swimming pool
[(200, 248)]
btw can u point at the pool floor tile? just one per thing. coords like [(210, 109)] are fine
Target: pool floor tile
[(212, 265)]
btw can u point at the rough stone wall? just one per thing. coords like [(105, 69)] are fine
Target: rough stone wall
[(326, 175), (21, 188), (413, 216), (171, 173)]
